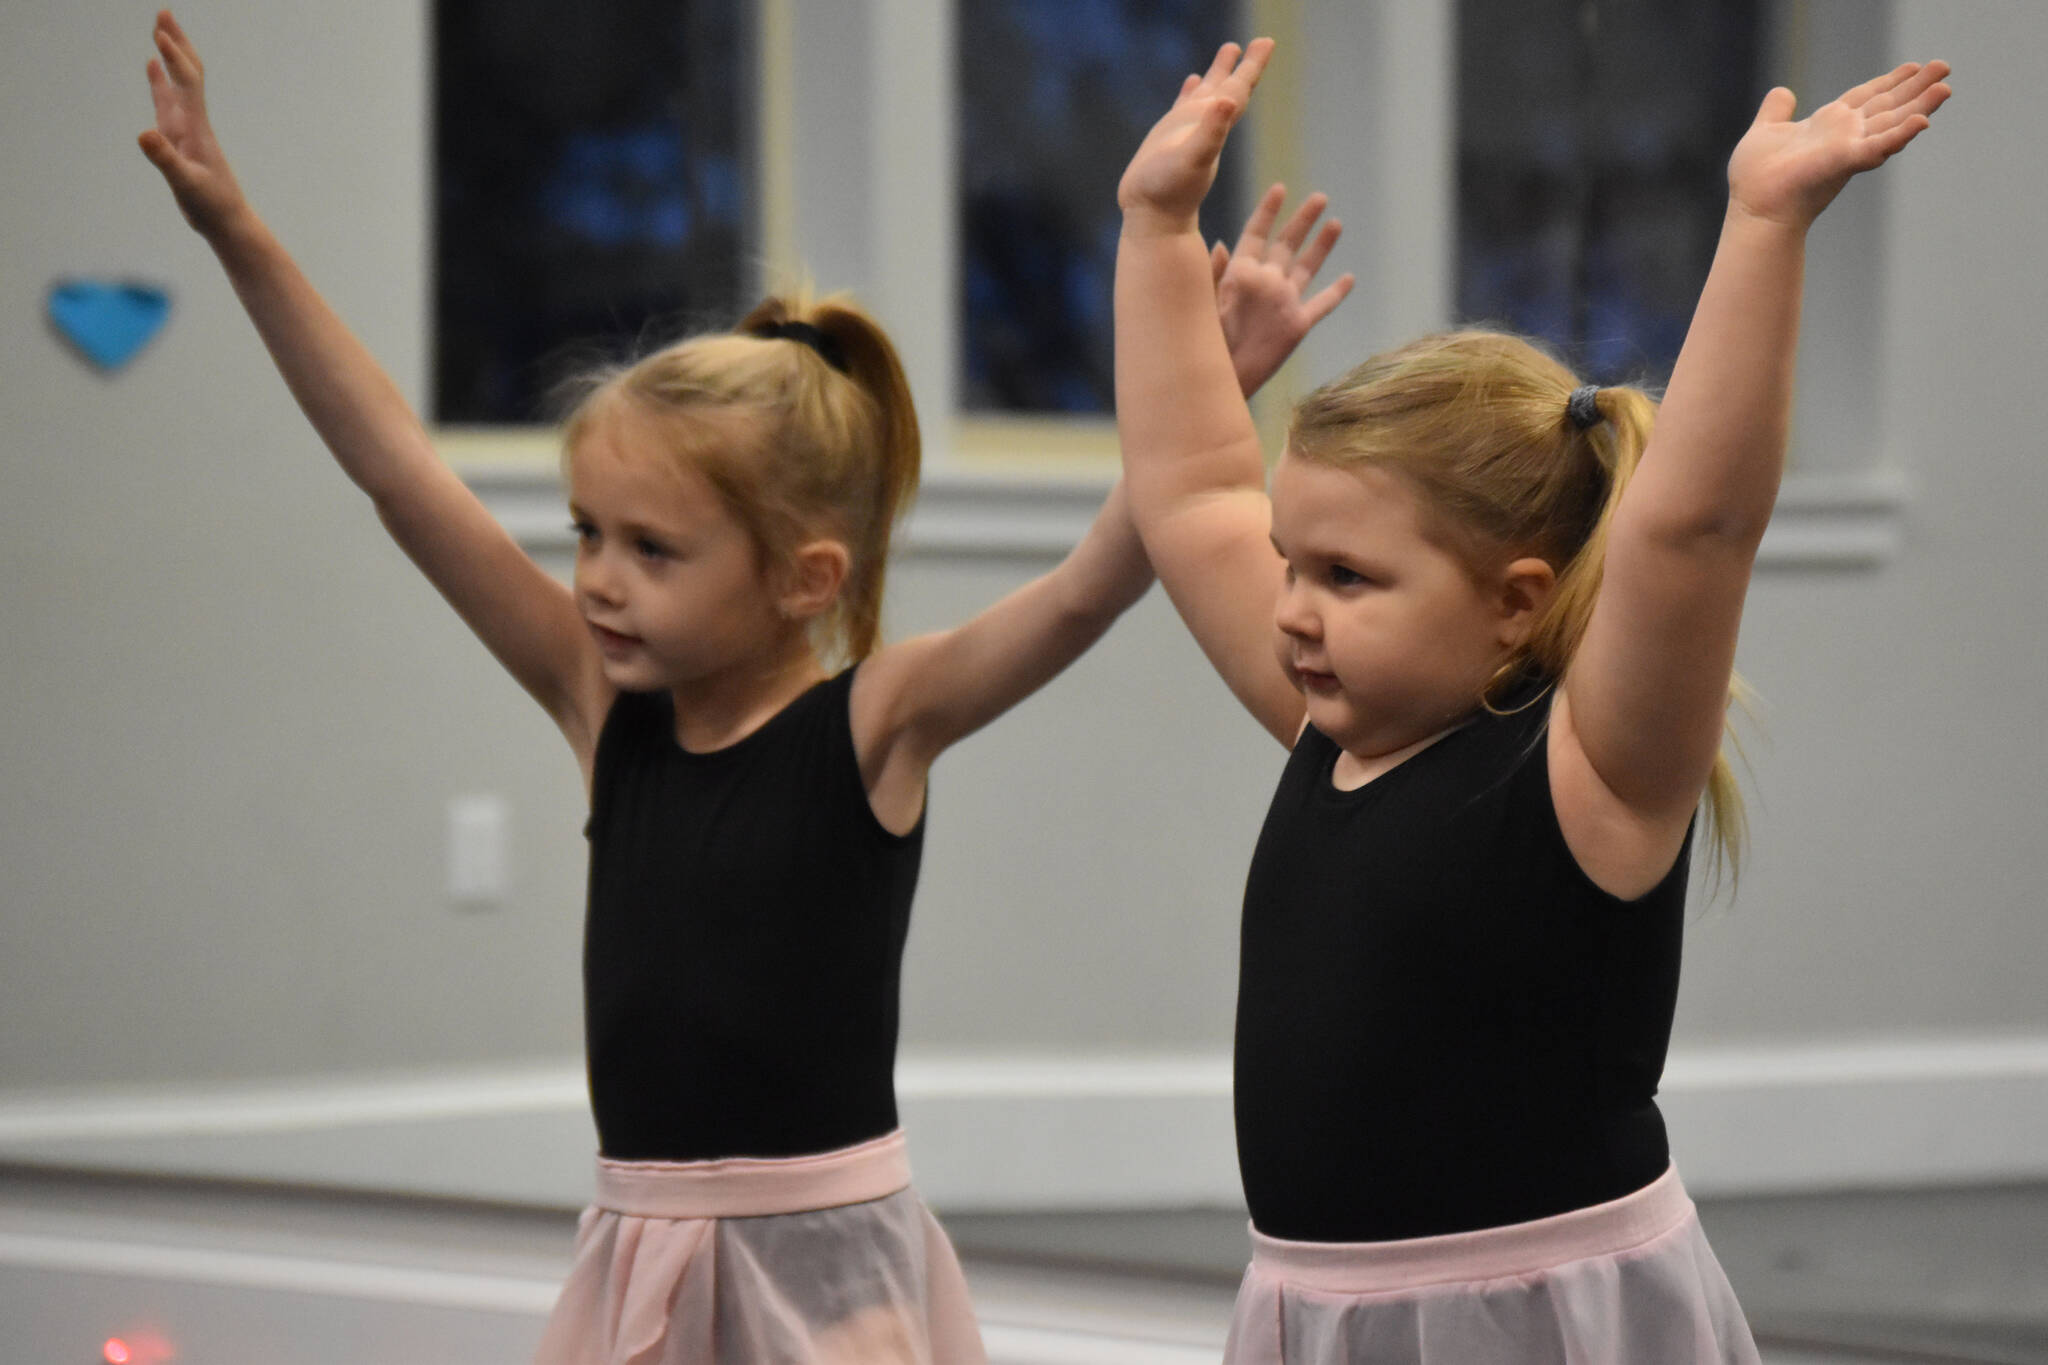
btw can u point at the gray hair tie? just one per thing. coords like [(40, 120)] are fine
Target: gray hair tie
[(1584, 406)]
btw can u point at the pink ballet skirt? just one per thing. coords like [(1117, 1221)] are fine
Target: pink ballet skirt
[(816, 1260), (1629, 1282)]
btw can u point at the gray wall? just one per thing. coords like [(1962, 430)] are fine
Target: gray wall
[(234, 715)]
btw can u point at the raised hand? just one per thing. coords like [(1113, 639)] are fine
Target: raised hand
[(1787, 172), (1260, 286), (182, 144), (1176, 163)]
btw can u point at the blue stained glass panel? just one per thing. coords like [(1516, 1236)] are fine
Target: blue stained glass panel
[(1054, 96), (1593, 140), (593, 187)]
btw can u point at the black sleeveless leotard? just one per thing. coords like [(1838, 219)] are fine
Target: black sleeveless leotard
[(744, 937), (1442, 1023)]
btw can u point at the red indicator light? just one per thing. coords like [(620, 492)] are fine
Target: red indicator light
[(137, 1348)]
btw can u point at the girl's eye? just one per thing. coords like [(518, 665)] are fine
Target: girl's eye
[(1347, 578), (583, 530), (648, 549)]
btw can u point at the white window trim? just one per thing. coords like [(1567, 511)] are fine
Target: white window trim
[(842, 80)]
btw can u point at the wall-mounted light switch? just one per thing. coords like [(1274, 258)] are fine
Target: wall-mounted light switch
[(478, 850)]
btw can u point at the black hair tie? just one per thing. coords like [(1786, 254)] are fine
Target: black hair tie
[(826, 346), (1584, 406)]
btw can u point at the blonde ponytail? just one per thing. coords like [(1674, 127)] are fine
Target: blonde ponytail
[(893, 455)]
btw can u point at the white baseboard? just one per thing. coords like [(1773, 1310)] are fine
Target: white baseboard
[(1023, 1132)]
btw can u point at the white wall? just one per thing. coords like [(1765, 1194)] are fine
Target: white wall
[(234, 716)]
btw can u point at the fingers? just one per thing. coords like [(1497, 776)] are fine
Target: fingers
[(163, 96), (1778, 106), (1296, 229), (1883, 124), (1257, 228), (1254, 64), (1888, 144), (1226, 60), (162, 155), (1894, 116), (1312, 259), (181, 58), (1927, 99), (1325, 303), (1907, 91), (1238, 67), (1187, 87), (1219, 261), (1878, 85)]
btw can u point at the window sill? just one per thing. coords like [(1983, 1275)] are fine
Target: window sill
[(983, 506)]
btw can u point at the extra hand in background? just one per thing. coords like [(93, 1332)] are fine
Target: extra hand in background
[(1262, 286)]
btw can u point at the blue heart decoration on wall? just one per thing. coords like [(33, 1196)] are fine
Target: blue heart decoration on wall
[(107, 323)]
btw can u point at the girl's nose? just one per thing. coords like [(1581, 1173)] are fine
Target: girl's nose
[(1293, 614), (594, 579)]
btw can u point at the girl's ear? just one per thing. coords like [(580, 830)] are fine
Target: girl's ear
[(1526, 586), (812, 578)]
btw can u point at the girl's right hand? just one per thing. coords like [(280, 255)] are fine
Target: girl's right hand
[(182, 144), (1176, 163)]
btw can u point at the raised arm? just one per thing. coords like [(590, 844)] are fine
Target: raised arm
[(526, 618), (1191, 455), (915, 699), (1645, 699)]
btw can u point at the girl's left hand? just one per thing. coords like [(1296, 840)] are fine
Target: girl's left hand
[(1786, 172), (1260, 285)]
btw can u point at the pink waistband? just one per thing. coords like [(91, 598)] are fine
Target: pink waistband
[(1489, 1253), (748, 1187)]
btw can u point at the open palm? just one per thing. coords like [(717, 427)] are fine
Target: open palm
[(182, 144), (1262, 286), (1787, 171), (1176, 163)]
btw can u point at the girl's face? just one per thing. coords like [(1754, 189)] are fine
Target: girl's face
[(1385, 632), (670, 584)]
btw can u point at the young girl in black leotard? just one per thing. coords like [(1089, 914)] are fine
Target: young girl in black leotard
[(756, 814), (1493, 616)]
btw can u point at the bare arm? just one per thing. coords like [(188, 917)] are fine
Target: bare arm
[(915, 699), (1191, 454), (527, 619), (1646, 697)]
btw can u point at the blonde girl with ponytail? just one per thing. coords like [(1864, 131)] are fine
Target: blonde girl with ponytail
[(1491, 611), (755, 757)]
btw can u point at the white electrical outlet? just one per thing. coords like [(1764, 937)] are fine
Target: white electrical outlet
[(478, 850)]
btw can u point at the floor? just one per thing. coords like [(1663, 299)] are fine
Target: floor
[(201, 1272)]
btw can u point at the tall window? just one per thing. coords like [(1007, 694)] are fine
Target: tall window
[(1593, 140), (1053, 97), (592, 182)]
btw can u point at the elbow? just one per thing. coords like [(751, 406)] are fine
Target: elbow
[(1722, 531)]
